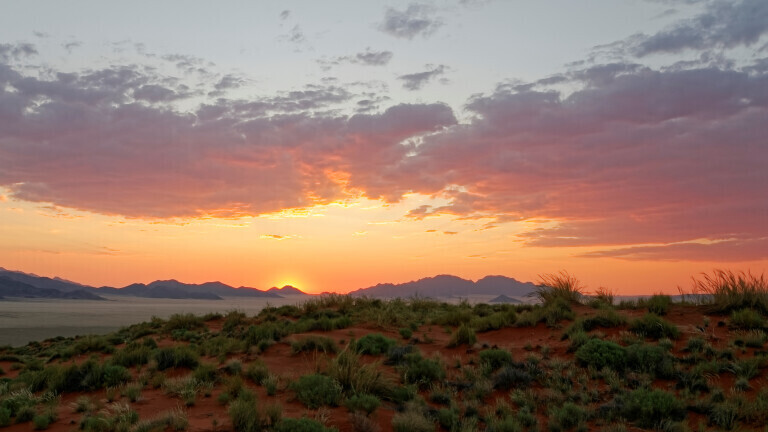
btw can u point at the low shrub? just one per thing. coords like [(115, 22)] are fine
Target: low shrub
[(747, 319), (421, 371), (658, 304), (649, 408), (317, 390), (464, 335), (412, 421), (314, 343), (374, 344), (179, 356), (186, 321), (561, 286), (406, 333), (511, 376), (362, 402), (495, 358), (256, 371), (601, 353), (567, 416), (652, 326), (652, 359)]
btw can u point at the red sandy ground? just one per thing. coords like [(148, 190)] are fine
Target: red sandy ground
[(208, 415)]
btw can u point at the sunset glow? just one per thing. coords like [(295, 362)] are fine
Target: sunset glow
[(336, 145)]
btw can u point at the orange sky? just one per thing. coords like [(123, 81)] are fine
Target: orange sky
[(325, 248)]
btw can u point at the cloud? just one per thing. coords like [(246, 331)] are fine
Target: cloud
[(106, 141), (414, 21), (373, 58), (284, 15), (416, 81), (719, 251), (723, 24), (366, 58), (294, 36)]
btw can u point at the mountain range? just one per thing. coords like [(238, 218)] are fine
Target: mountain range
[(19, 284), (450, 286)]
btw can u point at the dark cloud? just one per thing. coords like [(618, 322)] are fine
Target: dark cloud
[(723, 24), (16, 51), (97, 141), (373, 58), (416, 81), (367, 58), (415, 20), (70, 46), (285, 14)]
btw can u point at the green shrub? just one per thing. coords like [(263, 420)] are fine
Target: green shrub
[(356, 377), (561, 286), (495, 358), (653, 359), (257, 371), (649, 408), (301, 425), (206, 372), (132, 355), (464, 335), (186, 321), (747, 319), (5, 416), (115, 375), (658, 304), (567, 416), (555, 311), (494, 321), (362, 402), (727, 291), (179, 356), (314, 343), (600, 353), (511, 376), (448, 418), (652, 326), (422, 371), (607, 318), (245, 416), (317, 390), (412, 421), (406, 333), (374, 344)]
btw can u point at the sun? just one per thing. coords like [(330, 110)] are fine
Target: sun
[(290, 280)]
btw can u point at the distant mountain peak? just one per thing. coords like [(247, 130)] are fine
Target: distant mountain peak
[(445, 285), (286, 290)]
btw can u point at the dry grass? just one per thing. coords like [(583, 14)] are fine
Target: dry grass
[(726, 291), (553, 286)]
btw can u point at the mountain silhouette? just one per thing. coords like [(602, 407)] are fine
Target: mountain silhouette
[(15, 288), (449, 286)]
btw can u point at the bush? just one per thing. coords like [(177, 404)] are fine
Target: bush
[(406, 333), (314, 343), (510, 377), (727, 291), (464, 335), (115, 375), (747, 319), (186, 321), (374, 344), (354, 377), (317, 390), (412, 421), (179, 356), (568, 416), (362, 402), (256, 371), (245, 416), (658, 304), (561, 286), (600, 353), (607, 318), (206, 372), (652, 326), (649, 408), (650, 359), (495, 358), (301, 425), (421, 371)]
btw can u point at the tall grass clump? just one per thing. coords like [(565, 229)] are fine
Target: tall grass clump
[(562, 285), (726, 291)]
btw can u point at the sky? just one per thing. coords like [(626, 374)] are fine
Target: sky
[(335, 145)]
